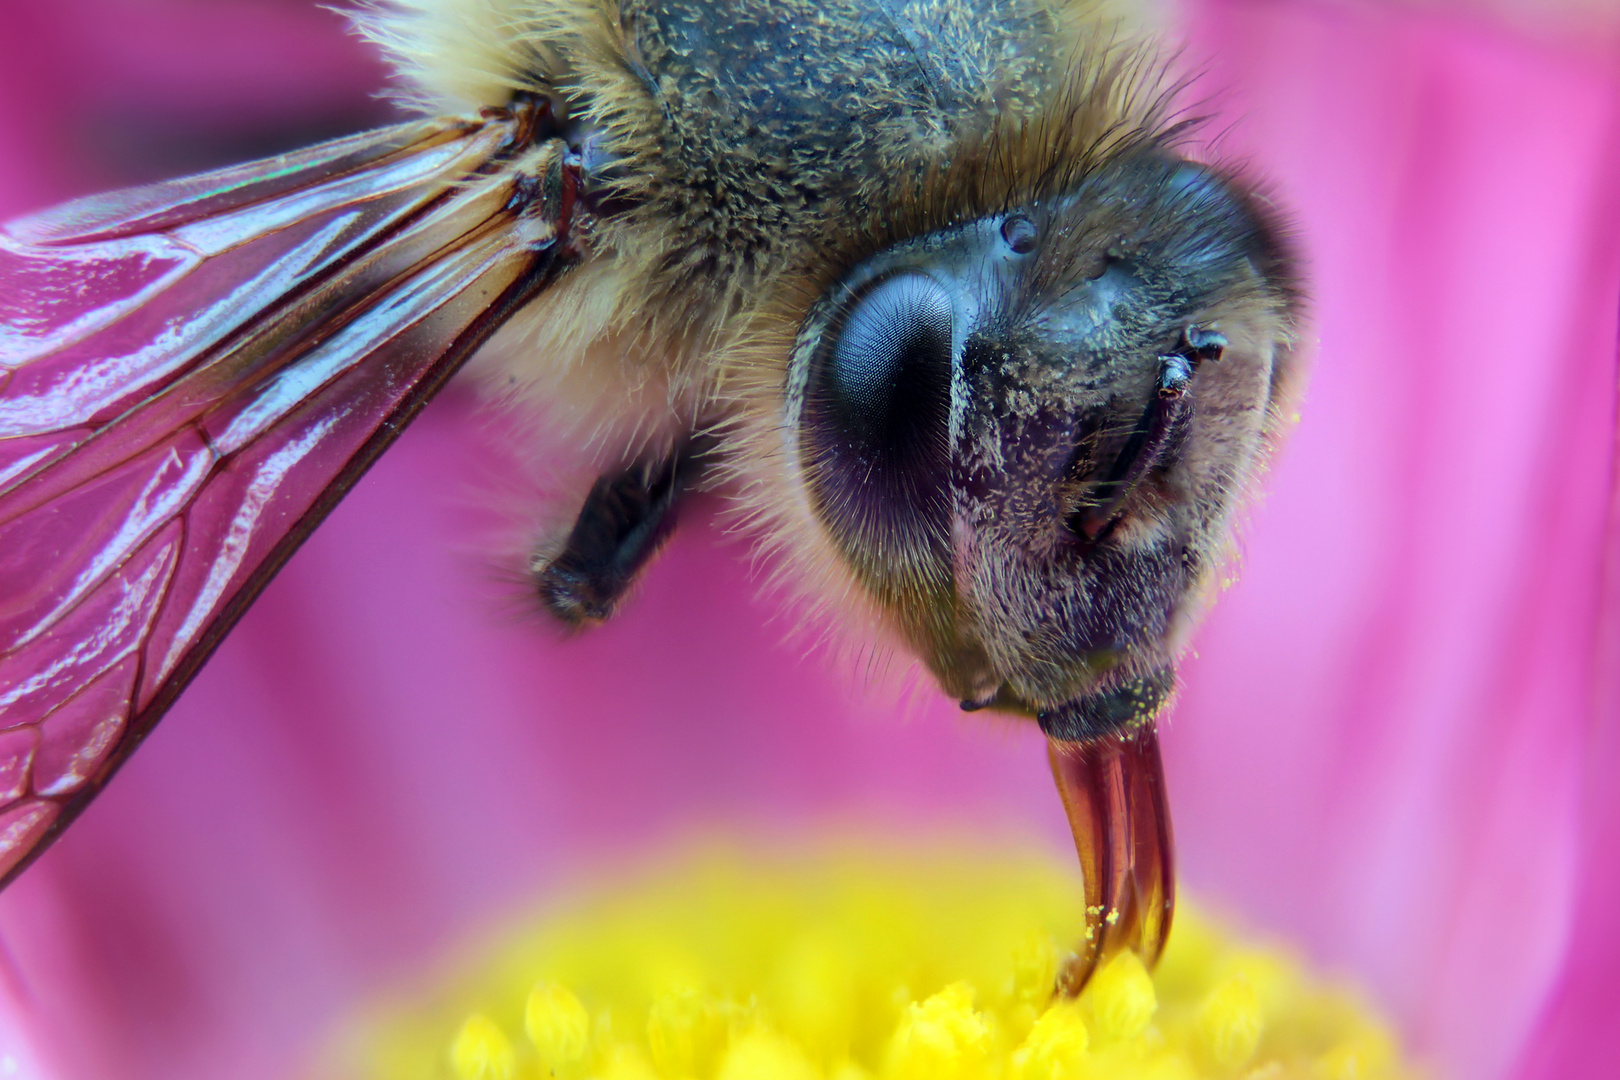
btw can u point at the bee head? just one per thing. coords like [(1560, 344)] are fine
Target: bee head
[(1025, 434)]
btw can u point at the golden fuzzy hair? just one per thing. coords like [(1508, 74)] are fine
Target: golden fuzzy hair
[(1033, 91), (672, 282)]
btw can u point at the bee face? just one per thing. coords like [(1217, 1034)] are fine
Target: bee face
[(1017, 357), (1007, 359), (1025, 433)]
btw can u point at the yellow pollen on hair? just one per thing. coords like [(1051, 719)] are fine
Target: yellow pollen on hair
[(866, 963)]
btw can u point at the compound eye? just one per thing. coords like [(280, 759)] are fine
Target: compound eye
[(891, 357), (877, 413)]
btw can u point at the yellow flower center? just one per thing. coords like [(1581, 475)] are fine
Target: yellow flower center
[(860, 964)]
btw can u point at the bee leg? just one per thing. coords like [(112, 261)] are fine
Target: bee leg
[(625, 520)]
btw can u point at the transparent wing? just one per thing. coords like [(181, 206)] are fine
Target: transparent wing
[(191, 375)]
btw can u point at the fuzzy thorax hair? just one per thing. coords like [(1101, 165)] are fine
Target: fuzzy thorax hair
[(763, 146)]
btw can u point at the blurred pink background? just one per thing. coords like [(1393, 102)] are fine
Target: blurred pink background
[(1398, 732)]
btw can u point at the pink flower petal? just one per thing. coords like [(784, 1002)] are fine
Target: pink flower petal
[(1388, 717)]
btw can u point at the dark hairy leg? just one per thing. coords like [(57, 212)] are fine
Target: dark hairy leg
[(625, 520)]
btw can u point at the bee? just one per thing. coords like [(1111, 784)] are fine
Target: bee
[(934, 290)]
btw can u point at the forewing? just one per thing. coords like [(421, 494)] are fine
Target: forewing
[(191, 375)]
